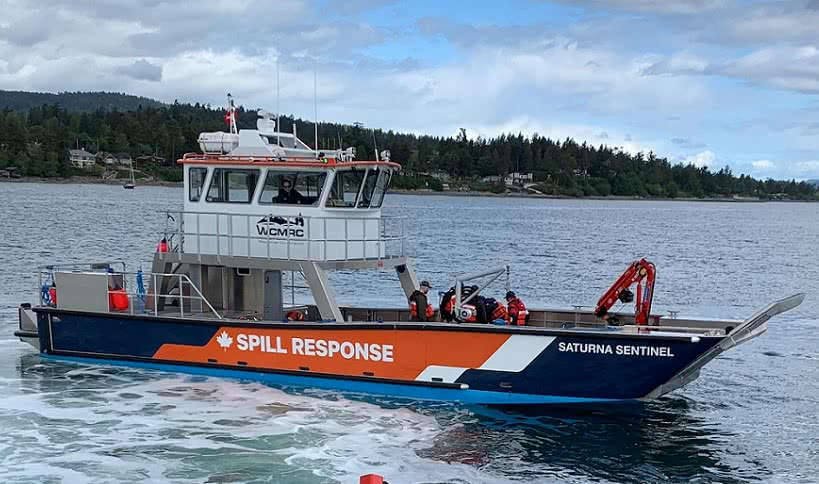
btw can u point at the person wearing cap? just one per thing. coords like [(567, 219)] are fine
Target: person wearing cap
[(518, 315), (418, 299)]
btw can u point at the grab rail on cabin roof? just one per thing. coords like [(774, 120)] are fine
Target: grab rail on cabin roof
[(390, 232)]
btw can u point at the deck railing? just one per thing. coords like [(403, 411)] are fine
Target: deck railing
[(289, 237), (125, 292)]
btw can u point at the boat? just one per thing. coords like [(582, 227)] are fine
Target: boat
[(261, 207), (131, 183)]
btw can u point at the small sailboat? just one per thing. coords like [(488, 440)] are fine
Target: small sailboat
[(131, 183)]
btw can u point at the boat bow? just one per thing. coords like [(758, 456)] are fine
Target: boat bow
[(754, 326)]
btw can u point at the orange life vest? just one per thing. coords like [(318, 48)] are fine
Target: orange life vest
[(500, 313), (118, 299), (294, 316), (414, 310), (517, 312)]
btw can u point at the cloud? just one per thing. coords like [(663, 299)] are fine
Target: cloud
[(350, 7), (705, 159), (675, 7), (679, 64), (775, 23), (685, 78), (786, 67), (808, 169), (142, 70), (762, 164), (687, 143)]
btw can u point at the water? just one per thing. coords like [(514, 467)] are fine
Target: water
[(752, 416)]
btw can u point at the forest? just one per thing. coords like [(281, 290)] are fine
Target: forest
[(36, 141)]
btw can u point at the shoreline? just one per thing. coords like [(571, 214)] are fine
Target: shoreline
[(565, 197), (88, 180), (82, 180)]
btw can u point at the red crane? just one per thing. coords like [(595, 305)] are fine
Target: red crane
[(641, 272)]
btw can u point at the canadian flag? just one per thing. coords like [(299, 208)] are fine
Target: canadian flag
[(227, 118)]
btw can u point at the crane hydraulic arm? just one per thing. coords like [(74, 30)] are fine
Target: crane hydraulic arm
[(641, 272)]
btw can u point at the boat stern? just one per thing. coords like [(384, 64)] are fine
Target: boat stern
[(27, 329)]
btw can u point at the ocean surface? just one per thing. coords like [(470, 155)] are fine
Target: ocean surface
[(753, 416)]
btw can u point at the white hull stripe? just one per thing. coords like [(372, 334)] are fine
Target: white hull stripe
[(513, 356)]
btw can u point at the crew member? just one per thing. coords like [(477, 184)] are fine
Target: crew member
[(447, 306), (496, 311), (288, 194), (518, 315), (420, 309)]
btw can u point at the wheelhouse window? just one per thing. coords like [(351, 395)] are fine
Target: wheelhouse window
[(346, 185), (294, 188), (229, 185), (380, 188), (369, 188), (196, 182)]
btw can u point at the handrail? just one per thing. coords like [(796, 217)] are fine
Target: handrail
[(154, 290)]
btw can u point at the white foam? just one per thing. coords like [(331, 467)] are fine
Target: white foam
[(121, 425)]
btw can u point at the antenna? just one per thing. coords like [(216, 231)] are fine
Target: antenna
[(315, 104), (278, 89)]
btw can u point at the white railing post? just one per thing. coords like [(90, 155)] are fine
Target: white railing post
[(218, 237), (181, 298), (156, 294), (290, 223), (231, 235), (268, 235), (180, 236), (198, 236)]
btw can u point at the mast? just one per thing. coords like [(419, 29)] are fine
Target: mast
[(315, 106), (231, 111), (278, 89)]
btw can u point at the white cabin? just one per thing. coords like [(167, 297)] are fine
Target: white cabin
[(252, 197)]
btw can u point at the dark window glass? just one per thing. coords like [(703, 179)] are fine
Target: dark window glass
[(292, 188), (346, 186), (381, 188), (369, 188), (196, 181), (228, 185)]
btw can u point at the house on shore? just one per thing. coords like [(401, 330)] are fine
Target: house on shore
[(107, 159), (81, 158), (155, 159), (517, 179), (124, 159)]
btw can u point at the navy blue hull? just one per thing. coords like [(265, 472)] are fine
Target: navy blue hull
[(572, 367)]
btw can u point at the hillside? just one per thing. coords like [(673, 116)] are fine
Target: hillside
[(75, 101), (36, 142)]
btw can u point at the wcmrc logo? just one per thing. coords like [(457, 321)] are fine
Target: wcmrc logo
[(276, 226)]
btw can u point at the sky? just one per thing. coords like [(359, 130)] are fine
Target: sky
[(710, 82)]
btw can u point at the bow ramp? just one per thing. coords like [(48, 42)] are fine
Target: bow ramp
[(749, 329)]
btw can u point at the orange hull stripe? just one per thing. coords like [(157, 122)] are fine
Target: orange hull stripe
[(384, 353)]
